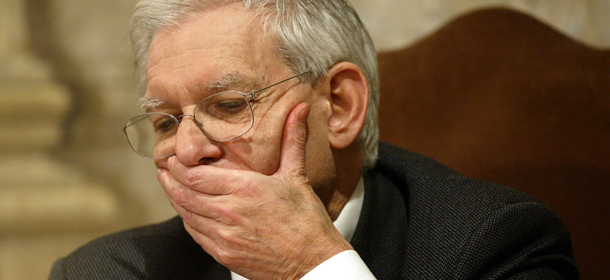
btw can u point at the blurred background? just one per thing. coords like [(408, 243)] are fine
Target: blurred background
[(67, 175)]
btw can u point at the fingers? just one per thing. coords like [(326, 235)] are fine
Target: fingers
[(216, 238), (292, 158), (204, 179), (187, 198)]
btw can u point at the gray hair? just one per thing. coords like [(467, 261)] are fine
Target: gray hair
[(312, 36)]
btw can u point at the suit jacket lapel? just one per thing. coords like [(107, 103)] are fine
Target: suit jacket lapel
[(380, 237)]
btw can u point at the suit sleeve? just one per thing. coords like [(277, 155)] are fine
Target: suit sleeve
[(520, 241)]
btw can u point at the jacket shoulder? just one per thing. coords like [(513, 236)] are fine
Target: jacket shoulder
[(148, 252), (423, 179), (459, 227)]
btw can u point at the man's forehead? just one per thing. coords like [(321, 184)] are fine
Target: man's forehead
[(232, 22), (232, 33), (210, 51)]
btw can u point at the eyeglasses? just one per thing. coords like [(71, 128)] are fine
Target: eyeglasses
[(222, 117)]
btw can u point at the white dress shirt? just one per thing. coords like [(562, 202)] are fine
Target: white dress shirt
[(347, 264)]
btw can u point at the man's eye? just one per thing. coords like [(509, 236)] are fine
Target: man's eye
[(232, 106), (228, 106), (164, 126), (226, 109)]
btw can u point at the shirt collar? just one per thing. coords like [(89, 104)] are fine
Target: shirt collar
[(348, 218)]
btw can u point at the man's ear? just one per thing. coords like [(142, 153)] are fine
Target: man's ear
[(349, 92)]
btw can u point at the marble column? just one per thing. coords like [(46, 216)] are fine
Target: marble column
[(47, 207)]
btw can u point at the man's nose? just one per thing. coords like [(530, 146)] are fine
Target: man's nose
[(193, 147)]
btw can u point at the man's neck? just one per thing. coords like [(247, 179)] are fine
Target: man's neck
[(349, 166)]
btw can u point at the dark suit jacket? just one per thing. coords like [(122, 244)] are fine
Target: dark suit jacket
[(420, 220)]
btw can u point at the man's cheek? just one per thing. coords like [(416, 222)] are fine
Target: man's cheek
[(259, 153), (260, 159), (268, 160)]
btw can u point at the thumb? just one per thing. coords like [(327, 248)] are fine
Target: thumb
[(292, 158)]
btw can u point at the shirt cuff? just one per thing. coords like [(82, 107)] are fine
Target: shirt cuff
[(345, 265)]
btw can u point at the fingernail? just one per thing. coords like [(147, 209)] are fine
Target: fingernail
[(304, 114)]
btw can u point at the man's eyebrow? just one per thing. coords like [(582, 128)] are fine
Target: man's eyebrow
[(232, 80), (148, 104)]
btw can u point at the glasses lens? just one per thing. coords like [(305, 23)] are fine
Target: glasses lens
[(152, 135), (225, 116)]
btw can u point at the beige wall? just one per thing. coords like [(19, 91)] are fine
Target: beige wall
[(394, 23), (67, 174)]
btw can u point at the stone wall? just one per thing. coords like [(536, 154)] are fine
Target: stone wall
[(67, 174)]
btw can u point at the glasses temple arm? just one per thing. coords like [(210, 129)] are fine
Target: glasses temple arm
[(253, 94)]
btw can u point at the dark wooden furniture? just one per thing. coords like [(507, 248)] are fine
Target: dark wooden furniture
[(501, 96)]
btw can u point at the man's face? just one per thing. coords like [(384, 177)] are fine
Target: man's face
[(226, 49)]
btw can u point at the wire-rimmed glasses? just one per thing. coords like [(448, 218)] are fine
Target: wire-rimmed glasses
[(222, 116)]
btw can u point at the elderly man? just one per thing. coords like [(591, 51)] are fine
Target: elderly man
[(261, 119)]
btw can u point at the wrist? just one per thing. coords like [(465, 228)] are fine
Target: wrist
[(319, 255)]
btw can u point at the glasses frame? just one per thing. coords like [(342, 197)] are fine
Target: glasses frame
[(247, 96)]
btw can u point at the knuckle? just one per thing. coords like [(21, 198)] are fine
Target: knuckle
[(228, 214), (227, 251), (300, 139), (188, 220), (180, 197), (191, 177), (227, 258)]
